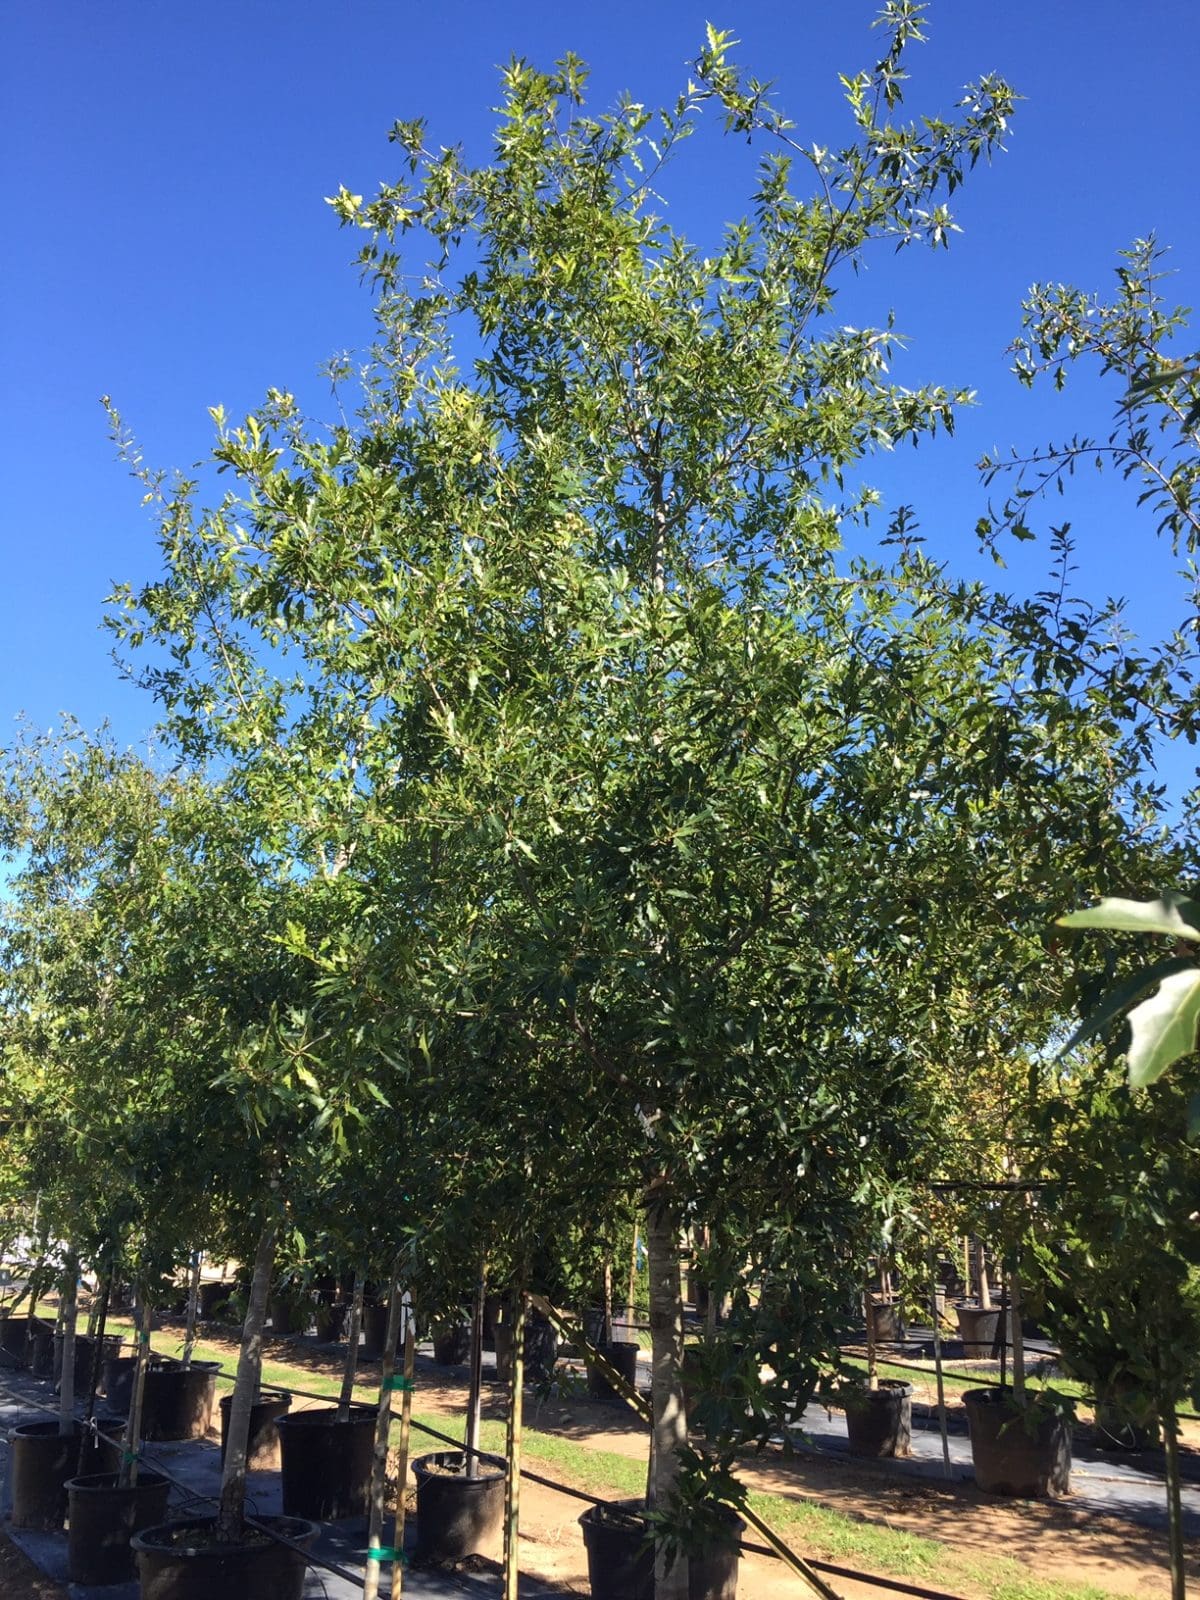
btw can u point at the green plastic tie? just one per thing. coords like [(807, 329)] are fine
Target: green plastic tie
[(129, 1456), (399, 1381), (383, 1552)]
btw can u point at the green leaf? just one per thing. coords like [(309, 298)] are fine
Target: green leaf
[(1170, 913), (1163, 1028), (1115, 1002)]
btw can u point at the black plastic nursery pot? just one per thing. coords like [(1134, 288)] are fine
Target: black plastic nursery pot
[(458, 1515), (452, 1346), (213, 1297), (177, 1402), (374, 1327), (621, 1558), (262, 1445), (1120, 1427), (14, 1337), (977, 1330), (118, 1378), (1018, 1451), (103, 1517), (879, 1421), (621, 1354), (85, 1349), (41, 1350), (290, 1316), (42, 1460), (326, 1463), (885, 1315), (182, 1561)]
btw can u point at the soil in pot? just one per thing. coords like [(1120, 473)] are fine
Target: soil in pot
[(879, 1421), (103, 1517), (621, 1354), (183, 1561), (621, 1559), (262, 1446), (42, 1460), (326, 1464), (458, 1515), (177, 1402), (1024, 1452)]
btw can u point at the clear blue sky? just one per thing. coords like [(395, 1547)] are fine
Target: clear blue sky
[(167, 241)]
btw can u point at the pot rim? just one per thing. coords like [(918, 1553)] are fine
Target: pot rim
[(294, 1528)]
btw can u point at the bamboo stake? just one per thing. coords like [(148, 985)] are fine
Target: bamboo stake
[(406, 1400), (512, 1483), (350, 1370), (383, 1423), (937, 1363)]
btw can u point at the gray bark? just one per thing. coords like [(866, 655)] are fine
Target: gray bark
[(231, 1515), (669, 1421)]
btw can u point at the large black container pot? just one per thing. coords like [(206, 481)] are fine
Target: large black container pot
[(452, 1346), (118, 1380), (330, 1319), (262, 1446), (1120, 1425), (290, 1316), (458, 1515), (885, 1314), (213, 1297), (879, 1421), (1018, 1451), (42, 1460), (621, 1558), (85, 1350), (102, 1519), (41, 1350), (541, 1346), (977, 1329), (374, 1327), (326, 1463), (14, 1338), (621, 1354), (182, 1561), (177, 1402)]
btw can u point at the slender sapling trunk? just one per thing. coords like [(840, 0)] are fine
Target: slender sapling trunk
[(193, 1306), (410, 1361), (133, 1423), (231, 1513), (350, 1370), (1170, 1427), (66, 1381), (475, 1392), (383, 1426), (669, 1420), (512, 1483), (937, 1363)]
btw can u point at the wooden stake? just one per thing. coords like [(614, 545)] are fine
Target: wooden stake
[(512, 1483), (66, 1381), (383, 1427)]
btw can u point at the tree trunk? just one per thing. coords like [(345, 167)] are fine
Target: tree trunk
[(230, 1516), (475, 1392), (872, 1353), (669, 1424), (1170, 1427), (512, 1483), (193, 1306), (410, 1361), (607, 1328), (631, 1302), (937, 1362), (1018, 1336), (133, 1423), (985, 1291), (383, 1426), (66, 1382), (350, 1370), (97, 1357)]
